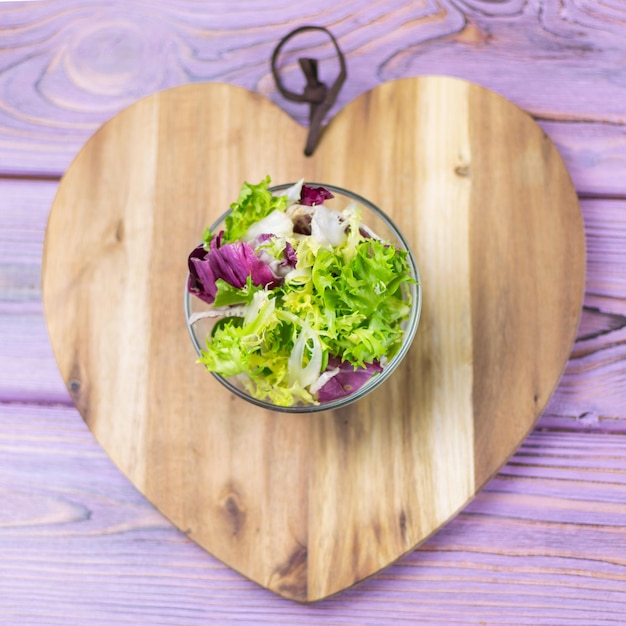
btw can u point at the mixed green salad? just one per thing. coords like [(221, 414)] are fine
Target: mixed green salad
[(310, 303)]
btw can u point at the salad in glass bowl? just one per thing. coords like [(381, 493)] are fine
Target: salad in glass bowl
[(296, 304)]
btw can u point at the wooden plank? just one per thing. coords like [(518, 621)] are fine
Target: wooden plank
[(24, 209), (593, 388), (578, 404), (501, 298), (66, 67), (605, 224), (543, 543), (29, 369)]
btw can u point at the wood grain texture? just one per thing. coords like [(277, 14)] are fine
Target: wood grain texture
[(66, 67), (534, 547), (542, 544), (591, 394), (308, 506), (28, 371)]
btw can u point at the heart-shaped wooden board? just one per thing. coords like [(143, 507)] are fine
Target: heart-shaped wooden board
[(308, 505)]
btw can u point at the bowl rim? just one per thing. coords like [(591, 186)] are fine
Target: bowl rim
[(376, 380)]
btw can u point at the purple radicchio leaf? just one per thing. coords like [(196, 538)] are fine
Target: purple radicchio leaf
[(201, 282), (310, 196), (347, 380), (279, 267), (233, 262), (289, 256)]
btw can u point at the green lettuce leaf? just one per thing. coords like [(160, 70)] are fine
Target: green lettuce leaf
[(258, 350), (227, 295), (355, 302), (254, 203)]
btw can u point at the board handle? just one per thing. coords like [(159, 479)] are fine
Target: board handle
[(317, 94)]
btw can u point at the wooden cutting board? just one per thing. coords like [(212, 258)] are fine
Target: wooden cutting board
[(308, 505)]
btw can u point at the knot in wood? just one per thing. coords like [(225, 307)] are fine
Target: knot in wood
[(233, 510)]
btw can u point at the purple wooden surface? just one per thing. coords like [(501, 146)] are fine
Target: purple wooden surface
[(66, 67), (543, 543)]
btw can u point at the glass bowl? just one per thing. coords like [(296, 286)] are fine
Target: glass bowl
[(380, 224)]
